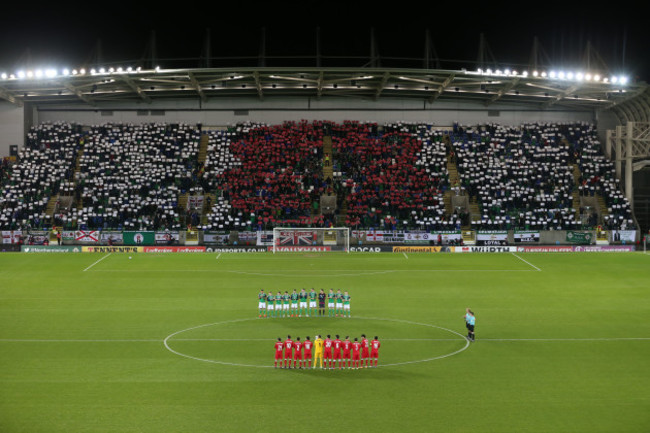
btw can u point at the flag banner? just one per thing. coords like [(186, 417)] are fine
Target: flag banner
[(492, 237), (627, 236), (86, 236), (38, 237), (375, 236), (195, 202), (418, 237), (393, 237), (303, 237), (167, 238), (357, 234), (139, 238), (68, 235), (111, 238), (526, 236), (216, 238), (584, 238), (264, 238), (329, 237), (247, 238), (11, 236)]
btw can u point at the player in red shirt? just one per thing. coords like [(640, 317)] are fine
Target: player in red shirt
[(307, 345), (374, 350), (278, 352), (288, 347), (327, 352), (365, 350), (338, 344), (347, 345), (356, 349), (297, 354)]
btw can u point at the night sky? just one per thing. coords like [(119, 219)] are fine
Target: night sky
[(56, 36)]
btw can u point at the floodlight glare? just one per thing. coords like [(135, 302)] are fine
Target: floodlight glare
[(82, 71), (488, 71), (102, 70), (20, 74), (535, 73), (596, 77), (480, 71), (623, 80), (65, 72), (561, 75), (50, 73), (30, 74), (544, 74), (569, 76), (119, 70), (588, 77), (38, 73), (514, 73), (614, 79), (525, 73), (507, 72), (498, 72), (552, 74), (129, 69), (4, 76), (580, 76)]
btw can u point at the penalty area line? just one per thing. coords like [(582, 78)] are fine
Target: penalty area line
[(405, 255), (527, 262), (97, 262)]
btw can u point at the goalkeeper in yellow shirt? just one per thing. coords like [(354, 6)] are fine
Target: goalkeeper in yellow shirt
[(318, 351)]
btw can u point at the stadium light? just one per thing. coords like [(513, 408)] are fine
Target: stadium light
[(544, 74), (479, 70), (4, 75), (552, 74), (38, 73), (580, 76), (561, 75), (535, 73), (488, 71), (51, 73), (66, 72), (614, 79), (623, 80), (119, 70), (525, 73), (102, 70), (596, 77), (588, 77), (569, 76), (20, 74), (30, 74), (506, 71), (129, 69)]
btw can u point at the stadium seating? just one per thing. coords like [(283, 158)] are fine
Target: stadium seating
[(520, 176), (45, 162)]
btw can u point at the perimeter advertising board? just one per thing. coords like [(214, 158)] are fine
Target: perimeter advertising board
[(49, 249), (112, 249), (492, 237)]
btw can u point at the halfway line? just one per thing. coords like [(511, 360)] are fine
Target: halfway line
[(97, 262)]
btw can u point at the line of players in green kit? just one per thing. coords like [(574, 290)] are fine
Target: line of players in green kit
[(303, 303)]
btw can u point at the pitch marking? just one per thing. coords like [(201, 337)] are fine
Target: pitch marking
[(157, 340), (170, 336), (526, 261), (97, 262), (218, 256), (405, 255)]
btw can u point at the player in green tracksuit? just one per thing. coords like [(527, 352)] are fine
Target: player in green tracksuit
[(303, 303), (278, 305), (286, 298), (261, 303), (312, 302), (294, 303), (270, 305), (346, 304), (339, 303), (331, 298)]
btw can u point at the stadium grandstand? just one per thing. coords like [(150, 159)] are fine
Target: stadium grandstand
[(126, 148)]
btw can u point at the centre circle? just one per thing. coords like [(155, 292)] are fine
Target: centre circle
[(198, 338)]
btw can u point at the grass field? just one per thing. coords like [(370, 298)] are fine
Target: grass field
[(563, 343)]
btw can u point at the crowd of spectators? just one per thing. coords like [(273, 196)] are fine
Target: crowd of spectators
[(46, 160), (521, 176)]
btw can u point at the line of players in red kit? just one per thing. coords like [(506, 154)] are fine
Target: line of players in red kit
[(328, 351)]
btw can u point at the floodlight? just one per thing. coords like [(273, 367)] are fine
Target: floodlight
[(580, 76), (82, 71), (50, 73), (605, 80), (569, 75), (544, 74), (498, 72), (623, 80), (507, 71), (596, 77), (111, 70), (129, 69), (38, 73), (488, 71), (119, 70), (30, 74), (480, 71), (102, 70), (514, 73), (535, 73), (525, 73), (561, 75), (588, 77), (552, 74), (4, 76), (614, 79), (157, 68)]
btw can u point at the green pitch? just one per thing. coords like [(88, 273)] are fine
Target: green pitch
[(172, 343)]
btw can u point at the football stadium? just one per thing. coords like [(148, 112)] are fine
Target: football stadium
[(300, 242)]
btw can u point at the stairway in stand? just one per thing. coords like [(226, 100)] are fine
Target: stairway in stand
[(603, 208), (206, 208), (182, 208), (575, 193), (453, 180), (328, 173), (203, 149), (51, 207)]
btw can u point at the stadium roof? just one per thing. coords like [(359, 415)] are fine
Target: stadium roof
[(551, 89)]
